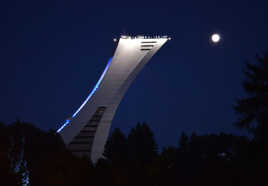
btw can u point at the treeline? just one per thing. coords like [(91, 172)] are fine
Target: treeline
[(36, 157), (29, 155)]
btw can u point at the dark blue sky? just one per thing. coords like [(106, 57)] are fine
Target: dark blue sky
[(53, 52)]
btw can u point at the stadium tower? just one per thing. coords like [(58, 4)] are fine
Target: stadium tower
[(86, 132)]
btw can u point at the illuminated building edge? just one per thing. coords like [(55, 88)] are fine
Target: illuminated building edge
[(86, 132)]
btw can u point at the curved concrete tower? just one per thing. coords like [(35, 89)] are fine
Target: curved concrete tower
[(86, 132)]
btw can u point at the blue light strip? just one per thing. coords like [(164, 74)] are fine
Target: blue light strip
[(65, 124), (95, 88), (90, 95)]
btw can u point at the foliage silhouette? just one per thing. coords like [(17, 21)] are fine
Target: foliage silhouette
[(40, 157), (253, 109), (222, 159), (116, 147)]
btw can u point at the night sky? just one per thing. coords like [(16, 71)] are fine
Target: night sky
[(53, 52)]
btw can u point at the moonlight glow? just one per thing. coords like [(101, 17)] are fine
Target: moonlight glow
[(215, 38)]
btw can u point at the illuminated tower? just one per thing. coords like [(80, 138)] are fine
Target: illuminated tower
[(86, 132)]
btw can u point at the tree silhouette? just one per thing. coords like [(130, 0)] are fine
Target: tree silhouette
[(253, 110), (116, 147), (7, 174), (141, 144), (183, 142)]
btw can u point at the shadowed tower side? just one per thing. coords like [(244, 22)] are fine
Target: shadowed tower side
[(86, 132)]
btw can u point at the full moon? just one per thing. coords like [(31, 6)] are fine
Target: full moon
[(215, 38)]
